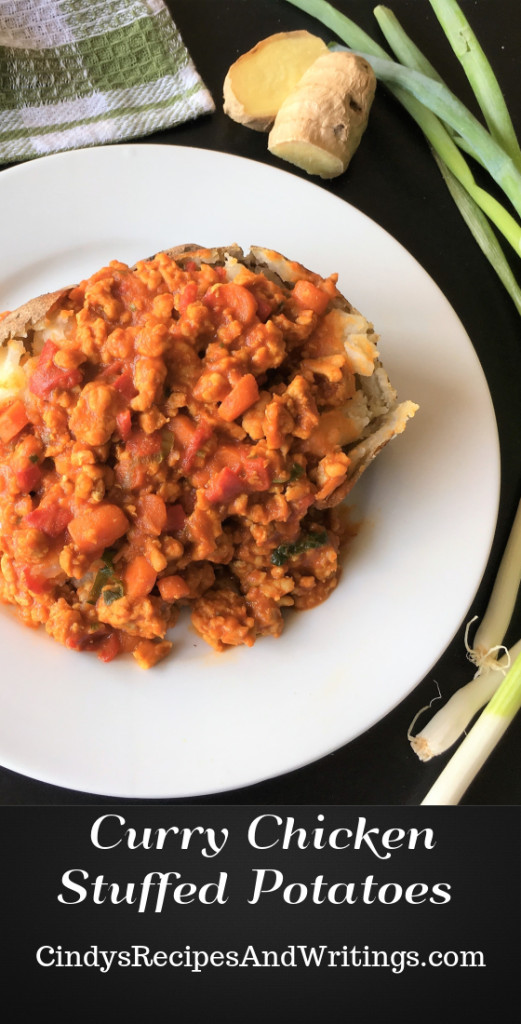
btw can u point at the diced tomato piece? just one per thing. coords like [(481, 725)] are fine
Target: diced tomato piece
[(48, 376), (132, 292), (109, 647), (77, 643), (97, 527), (112, 370), (125, 384), (52, 520), (256, 474), (175, 518), (187, 296), (151, 514), (144, 446), (191, 265), (264, 309), (242, 472), (106, 645), (12, 420), (34, 582), (252, 469), (124, 424), (173, 588), (224, 487), (201, 434), (139, 578), (189, 437), (240, 301), (308, 296), (28, 478), (243, 394)]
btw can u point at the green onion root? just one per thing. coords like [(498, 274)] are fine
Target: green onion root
[(450, 722)]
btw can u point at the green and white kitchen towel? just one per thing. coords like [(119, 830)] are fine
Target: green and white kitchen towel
[(77, 73)]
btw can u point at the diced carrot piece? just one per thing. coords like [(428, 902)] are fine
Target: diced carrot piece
[(308, 296), (243, 394), (151, 514), (97, 527), (12, 420), (240, 301), (172, 588), (131, 474), (139, 578), (183, 429)]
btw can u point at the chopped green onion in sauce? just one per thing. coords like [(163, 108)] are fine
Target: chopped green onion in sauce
[(103, 577), (113, 593), (284, 552)]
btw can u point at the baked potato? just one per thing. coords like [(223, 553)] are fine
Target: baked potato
[(182, 432)]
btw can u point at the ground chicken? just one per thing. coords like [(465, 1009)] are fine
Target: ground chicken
[(221, 617), (178, 440)]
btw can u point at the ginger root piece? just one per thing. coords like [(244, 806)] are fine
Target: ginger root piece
[(320, 123), (258, 82)]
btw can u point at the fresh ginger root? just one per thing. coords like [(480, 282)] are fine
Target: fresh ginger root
[(258, 82), (320, 123)]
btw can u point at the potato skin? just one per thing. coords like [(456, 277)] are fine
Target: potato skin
[(138, 427), (21, 322), (24, 319)]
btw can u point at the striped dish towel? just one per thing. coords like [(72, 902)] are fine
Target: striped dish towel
[(76, 73)]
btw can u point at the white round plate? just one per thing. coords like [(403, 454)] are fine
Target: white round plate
[(202, 722)]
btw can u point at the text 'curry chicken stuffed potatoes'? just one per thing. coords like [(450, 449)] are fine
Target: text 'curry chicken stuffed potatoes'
[(180, 433)]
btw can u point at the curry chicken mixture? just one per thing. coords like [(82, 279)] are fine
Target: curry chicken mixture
[(174, 434)]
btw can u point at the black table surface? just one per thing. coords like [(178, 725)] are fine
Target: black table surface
[(393, 179)]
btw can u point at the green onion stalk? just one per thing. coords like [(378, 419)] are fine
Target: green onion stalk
[(485, 734), (481, 77), (441, 101), (451, 130), (424, 97)]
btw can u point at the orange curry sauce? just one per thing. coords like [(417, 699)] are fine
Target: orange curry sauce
[(164, 452)]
